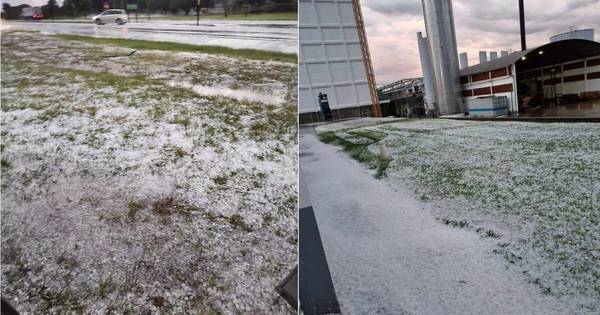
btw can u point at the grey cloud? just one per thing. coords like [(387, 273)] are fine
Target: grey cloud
[(397, 7), (480, 25)]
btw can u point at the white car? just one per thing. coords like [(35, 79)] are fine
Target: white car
[(111, 16)]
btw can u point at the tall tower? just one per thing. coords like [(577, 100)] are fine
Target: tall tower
[(428, 76), (439, 22)]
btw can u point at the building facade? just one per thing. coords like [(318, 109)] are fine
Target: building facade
[(566, 70), (331, 62)]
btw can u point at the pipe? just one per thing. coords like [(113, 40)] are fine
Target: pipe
[(482, 56)]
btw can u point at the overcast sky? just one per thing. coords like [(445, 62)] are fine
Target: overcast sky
[(490, 25)]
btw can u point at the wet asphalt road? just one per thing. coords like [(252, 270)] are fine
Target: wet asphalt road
[(280, 36)]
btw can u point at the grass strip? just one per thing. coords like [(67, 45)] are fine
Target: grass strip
[(358, 151), (254, 54)]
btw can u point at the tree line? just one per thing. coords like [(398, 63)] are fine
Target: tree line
[(76, 8)]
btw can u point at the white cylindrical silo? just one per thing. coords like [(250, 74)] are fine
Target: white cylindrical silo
[(439, 22), (464, 60), (493, 55), (482, 56), (430, 96)]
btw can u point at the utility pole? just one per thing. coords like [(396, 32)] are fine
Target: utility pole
[(148, 9), (198, 12), (522, 23), (364, 46)]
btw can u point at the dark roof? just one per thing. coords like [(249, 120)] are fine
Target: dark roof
[(559, 52), (553, 53), (494, 64)]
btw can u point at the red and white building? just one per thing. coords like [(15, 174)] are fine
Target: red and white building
[(569, 69)]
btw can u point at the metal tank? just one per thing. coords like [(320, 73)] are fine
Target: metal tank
[(493, 55), (439, 22), (430, 96), (482, 56), (464, 60), (587, 34), (503, 53)]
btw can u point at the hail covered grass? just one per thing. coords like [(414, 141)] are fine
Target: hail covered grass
[(534, 187), (125, 189)]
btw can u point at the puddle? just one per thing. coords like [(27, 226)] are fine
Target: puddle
[(241, 94)]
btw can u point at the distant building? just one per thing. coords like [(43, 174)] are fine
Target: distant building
[(403, 98)]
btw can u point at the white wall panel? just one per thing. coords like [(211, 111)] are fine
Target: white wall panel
[(318, 73), (308, 13), (335, 51), (340, 71), (332, 34), (313, 52), (354, 50), (358, 70), (346, 13), (311, 34), (306, 101), (364, 96), (346, 95), (303, 74), (328, 13)]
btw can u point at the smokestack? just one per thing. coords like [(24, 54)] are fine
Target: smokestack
[(482, 56), (464, 60), (493, 55), (522, 22), (503, 53), (430, 96), (439, 22)]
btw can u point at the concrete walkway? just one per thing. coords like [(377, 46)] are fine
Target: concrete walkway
[(388, 255)]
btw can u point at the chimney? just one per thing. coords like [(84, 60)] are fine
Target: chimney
[(464, 60), (482, 56)]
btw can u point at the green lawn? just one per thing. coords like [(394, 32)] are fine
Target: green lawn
[(255, 54)]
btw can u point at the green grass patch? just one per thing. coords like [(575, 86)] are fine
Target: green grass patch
[(238, 221), (5, 163), (359, 151), (254, 54)]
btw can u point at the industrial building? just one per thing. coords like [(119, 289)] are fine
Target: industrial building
[(565, 71), (403, 98), (336, 76), (558, 73)]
